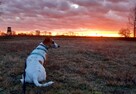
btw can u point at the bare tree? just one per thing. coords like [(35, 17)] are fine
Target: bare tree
[(37, 33), (45, 33), (14, 33), (50, 33), (132, 20), (125, 32)]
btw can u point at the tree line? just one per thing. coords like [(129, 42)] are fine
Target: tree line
[(125, 32)]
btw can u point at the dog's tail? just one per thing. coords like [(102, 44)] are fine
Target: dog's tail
[(43, 85)]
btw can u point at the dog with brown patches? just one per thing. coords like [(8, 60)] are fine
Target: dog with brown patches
[(35, 71)]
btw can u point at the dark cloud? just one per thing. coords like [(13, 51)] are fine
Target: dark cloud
[(65, 14), (119, 6), (117, 1)]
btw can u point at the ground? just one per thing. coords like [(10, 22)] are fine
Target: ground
[(79, 66)]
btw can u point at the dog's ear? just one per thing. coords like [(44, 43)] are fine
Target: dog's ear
[(47, 40)]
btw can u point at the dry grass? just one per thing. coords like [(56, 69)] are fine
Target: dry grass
[(80, 66)]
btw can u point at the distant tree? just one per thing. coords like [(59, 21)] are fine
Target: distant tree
[(2, 33), (45, 33), (125, 32), (50, 33), (132, 20), (13, 32), (71, 33), (30, 33), (37, 33)]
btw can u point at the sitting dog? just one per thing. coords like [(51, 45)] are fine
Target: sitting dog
[(35, 71)]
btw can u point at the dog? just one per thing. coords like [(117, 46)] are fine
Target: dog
[(35, 71)]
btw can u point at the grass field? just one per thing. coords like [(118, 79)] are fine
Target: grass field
[(79, 66)]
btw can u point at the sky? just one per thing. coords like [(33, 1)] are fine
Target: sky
[(87, 17)]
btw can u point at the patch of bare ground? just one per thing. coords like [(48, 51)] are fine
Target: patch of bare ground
[(79, 66)]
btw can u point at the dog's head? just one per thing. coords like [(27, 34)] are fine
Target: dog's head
[(49, 42)]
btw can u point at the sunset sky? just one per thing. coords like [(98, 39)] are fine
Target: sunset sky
[(87, 17)]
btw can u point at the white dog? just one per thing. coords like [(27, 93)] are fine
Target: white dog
[(35, 72)]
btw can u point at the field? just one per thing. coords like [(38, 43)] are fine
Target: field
[(79, 66)]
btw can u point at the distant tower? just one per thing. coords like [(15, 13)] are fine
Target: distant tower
[(9, 31)]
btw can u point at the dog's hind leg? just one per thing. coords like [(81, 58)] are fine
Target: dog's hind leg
[(35, 79), (27, 79), (37, 83), (42, 85)]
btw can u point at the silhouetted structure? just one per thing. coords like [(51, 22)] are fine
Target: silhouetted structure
[(9, 31)]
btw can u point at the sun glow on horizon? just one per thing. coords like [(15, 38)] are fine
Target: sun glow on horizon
[(72, 32), (100, 33)]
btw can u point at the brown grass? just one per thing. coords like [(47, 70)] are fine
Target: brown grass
[(80, 66)]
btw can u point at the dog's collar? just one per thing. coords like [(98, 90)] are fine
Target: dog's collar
[(41, 44), (45, 50), (39, 55)]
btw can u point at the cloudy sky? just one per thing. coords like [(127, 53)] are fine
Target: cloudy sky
[(85, 16)]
